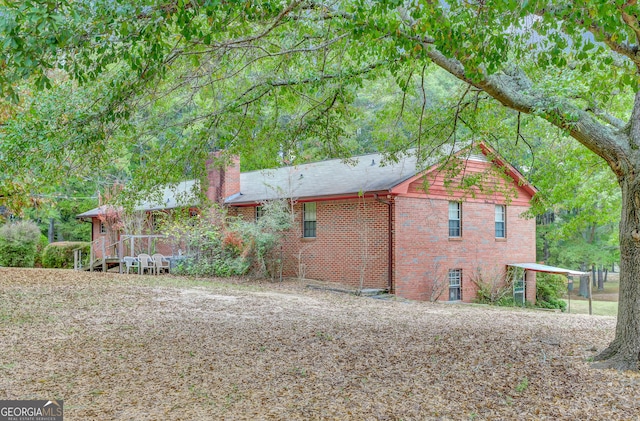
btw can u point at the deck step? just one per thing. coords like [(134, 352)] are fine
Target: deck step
[(111, 262)]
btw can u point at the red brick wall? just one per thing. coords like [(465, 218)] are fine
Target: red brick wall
[(351, 237), (222, 182), (424, 252)]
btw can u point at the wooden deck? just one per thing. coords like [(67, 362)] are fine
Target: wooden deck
[(114, 253), (100, 265)]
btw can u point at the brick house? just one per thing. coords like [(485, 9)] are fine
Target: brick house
[(371, 224), (368, 223)]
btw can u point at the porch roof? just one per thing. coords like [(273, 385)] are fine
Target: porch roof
[(172, 196), (537, 267)]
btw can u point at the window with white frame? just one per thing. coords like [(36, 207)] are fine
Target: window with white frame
[(501, 221), (455, 219), (309, 220), (455, 284)]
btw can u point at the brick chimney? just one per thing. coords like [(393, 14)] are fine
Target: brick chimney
[(223, 177)]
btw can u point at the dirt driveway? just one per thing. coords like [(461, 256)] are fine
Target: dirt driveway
[(155, 348)]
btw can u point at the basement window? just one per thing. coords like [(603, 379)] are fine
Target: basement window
[(455, 284), (309, 220)]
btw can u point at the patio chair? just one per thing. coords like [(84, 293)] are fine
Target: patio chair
[(146, 263), (131, 262), (161, 262)]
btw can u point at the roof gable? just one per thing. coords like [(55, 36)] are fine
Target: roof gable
[(517, 177), (487, 155)]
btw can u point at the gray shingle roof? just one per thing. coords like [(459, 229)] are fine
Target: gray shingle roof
[(366, 173), (334, 177)]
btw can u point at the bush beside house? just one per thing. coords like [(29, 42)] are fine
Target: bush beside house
[(60, 255), (19, 244), (42, 243), (549, 291), (231, 246)]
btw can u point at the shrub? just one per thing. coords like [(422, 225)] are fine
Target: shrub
[(549, 291), (492, 289), (18, 244), (42, 243), (60, 255), (506, 301), (229, 246)]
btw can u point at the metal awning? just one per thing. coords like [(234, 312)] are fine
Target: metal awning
[(537, 267)]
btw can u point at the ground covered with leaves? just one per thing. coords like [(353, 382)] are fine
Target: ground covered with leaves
[(149, 348)]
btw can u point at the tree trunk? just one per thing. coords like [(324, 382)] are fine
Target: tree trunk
[(51, 232), (624, 351), (584, 286), (600, 279)]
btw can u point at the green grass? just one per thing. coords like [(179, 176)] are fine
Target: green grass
[(600, 308), (610, 288)]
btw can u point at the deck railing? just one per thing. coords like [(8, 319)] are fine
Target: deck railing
[(77, 259), (125, 246)]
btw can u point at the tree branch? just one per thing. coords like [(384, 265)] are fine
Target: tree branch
[(628, 50), (277, 21), (629, 19), (239, 45), (608, 118), (634, 120), (514, 89), (319, 78), (623, 48)]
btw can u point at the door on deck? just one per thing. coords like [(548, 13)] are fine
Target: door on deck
[(517, 276)]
